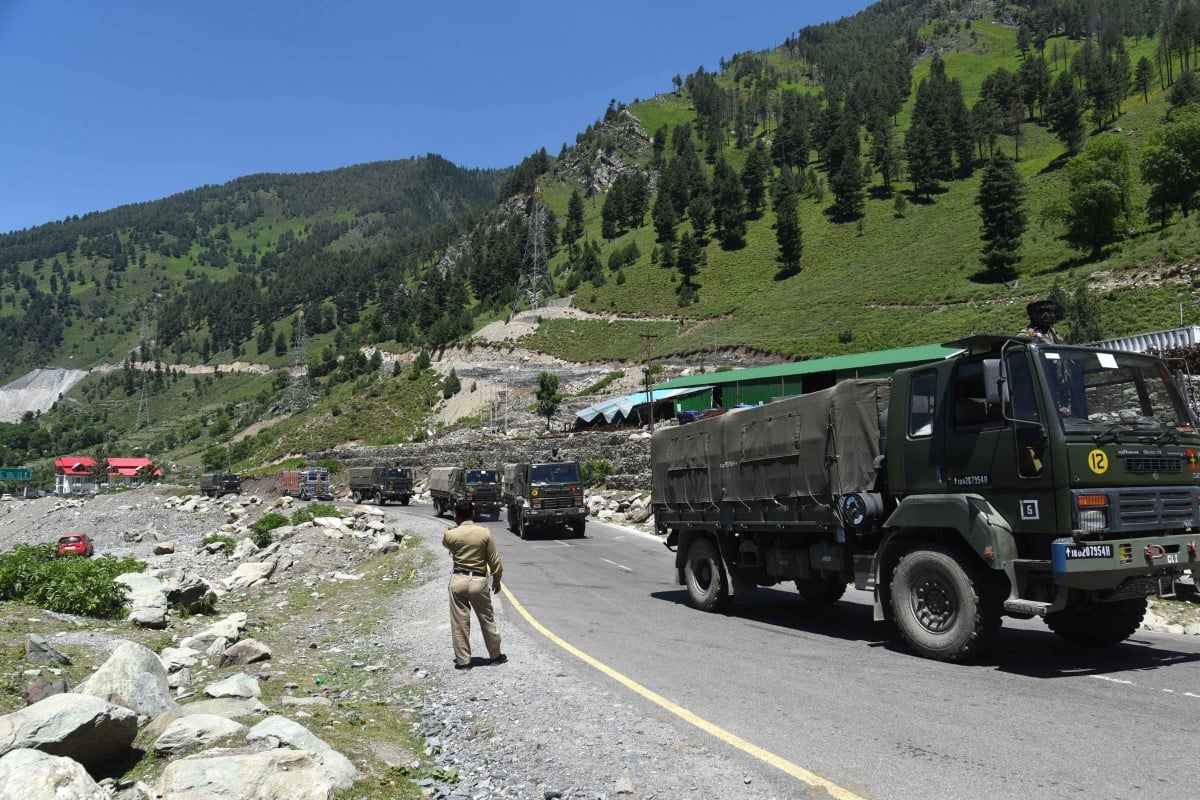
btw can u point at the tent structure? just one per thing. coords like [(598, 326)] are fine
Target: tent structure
[(618, 410)]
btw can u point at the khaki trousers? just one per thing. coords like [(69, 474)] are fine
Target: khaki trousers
[(466, 594)]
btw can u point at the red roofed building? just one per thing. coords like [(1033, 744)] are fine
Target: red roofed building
[(78, 475)]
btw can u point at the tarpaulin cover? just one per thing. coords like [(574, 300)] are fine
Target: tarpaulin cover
[(815, 445)]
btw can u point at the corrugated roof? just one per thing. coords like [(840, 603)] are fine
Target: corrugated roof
[(614, 406), (877, 358)]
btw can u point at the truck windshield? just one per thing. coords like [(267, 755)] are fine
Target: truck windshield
[(481, 476), (562, 472), (1090, 389), (396, 474)]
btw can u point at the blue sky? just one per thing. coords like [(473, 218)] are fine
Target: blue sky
[(121, 102)]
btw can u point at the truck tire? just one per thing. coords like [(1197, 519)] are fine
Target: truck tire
[(521, 531), (578, 526), (707, 584), (821, 591), (404, 501), (512, 521), (943, 603), (1099, 624), (379, 501), (355, 496)]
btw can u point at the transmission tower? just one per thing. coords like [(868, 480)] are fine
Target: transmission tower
[(299, 393), (143, 413), (534, 285)]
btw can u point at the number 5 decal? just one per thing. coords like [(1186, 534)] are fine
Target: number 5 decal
[(1098, 461)]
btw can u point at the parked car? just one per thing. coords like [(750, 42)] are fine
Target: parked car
[(75, 544), (6, 496)]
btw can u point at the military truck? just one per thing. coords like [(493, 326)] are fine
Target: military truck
[(307, 483), (1022, 477), (215, 484), (448, 485), (544, 495), (381, 484)]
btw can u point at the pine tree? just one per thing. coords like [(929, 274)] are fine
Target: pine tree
[(1064, 112), (573, 227), (754, 177), (919, 149), (729, 204), (788, 233), (689, 260), (1001, 207), (665, 218)]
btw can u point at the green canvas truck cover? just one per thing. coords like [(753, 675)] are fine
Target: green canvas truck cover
[(816, 445)]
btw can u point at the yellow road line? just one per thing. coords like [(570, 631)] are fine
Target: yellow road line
[(781, 764)]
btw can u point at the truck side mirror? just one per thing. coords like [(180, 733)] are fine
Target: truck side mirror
[(993, 381)]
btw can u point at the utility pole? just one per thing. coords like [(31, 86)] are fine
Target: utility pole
[(646, 339)]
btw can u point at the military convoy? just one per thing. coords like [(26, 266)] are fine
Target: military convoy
[(215, 484), (381, 484), (544, 495), (1023, 477), (448, 485), (307, 483)]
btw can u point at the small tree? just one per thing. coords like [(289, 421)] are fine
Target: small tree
[(452, 385), (547, 396), (1001, 206)]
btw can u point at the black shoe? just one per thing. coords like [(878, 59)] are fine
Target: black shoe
[(462, 666), (500, 659)]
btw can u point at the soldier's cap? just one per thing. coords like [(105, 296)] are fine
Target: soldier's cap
[(1046, 311)]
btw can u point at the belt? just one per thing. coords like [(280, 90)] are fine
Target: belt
[(470, 574)]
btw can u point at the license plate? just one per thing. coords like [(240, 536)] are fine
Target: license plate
[(1088, 551)]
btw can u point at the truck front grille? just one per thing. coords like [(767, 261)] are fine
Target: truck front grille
[(1147, 464), (1140, 509), (558, 502)]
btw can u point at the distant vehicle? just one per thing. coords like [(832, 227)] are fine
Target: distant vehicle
[(6, 496), (546, 494), (381, 484), (215, 484), (306, 483), (77, 544), (448, 485)]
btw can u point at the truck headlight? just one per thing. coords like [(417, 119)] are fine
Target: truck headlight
[(1093, 512)]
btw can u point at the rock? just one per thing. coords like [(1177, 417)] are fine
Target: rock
[(134, 674), (132, 537), (148, 605), (33, 775), (247, 651), (243, 550), (164, 548), (176, 658), (639, 515), (40, 688), (249, 574), (290, 774), (318, 701), (624, 785), (227, 707), (186, 589), (335, 766), (240, 685), (384, 545), (230, 629), (1192, 629), (40, 651), (84, 728), (194, 731)]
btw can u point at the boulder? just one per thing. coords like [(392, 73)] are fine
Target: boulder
[(40, 651), (33, 775), (164, 548), (77, 726), (42, 687), (291, 774), (240, 685), (176, 658), (335, 766), (247, 651), (249, 574), (196, 731), (133, 676), (148, 604), (227, 707), (243, 550), (229, 629)]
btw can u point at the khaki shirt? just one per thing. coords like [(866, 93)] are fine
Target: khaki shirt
[(472, 547)]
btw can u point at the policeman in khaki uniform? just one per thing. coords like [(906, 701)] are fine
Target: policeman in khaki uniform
[(475, 556)]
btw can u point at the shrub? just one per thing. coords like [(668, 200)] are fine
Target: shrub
[(227, 543), (262, 528), (595, 471), (35, 574), (312, 511)]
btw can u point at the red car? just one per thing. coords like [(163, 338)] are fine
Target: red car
[(75, 544)]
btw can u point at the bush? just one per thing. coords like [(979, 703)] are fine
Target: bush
[(595, 471), (227, 543), (312, 511), (264, 525), (35, 574)]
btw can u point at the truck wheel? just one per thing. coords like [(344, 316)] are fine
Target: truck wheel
[(355, 496), (821, 591), (521, 531), (379, 501), (404, 501), (1099, 624), (943, 604), (707, 584), (512, 522), (578, 526)]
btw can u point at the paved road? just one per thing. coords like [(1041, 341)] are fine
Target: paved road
[(829, 690)]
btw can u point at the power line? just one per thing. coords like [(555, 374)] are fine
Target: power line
[(534, 285)]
